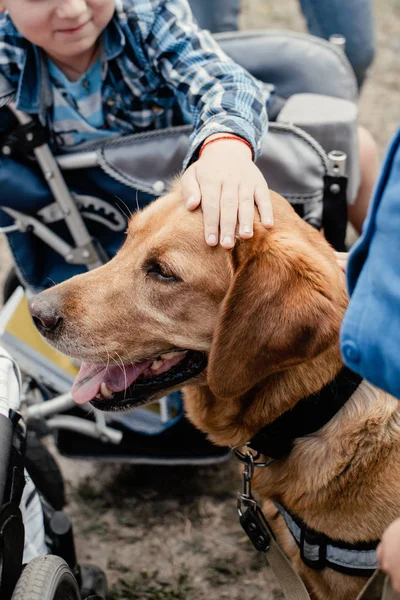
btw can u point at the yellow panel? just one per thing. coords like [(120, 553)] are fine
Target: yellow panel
[(20, 325)]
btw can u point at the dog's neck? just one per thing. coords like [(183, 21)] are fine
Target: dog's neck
[(309, 415), (234, 422)]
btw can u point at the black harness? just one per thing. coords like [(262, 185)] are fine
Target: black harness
[(276, 441)]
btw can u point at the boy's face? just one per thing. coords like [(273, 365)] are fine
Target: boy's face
[(62, 28)]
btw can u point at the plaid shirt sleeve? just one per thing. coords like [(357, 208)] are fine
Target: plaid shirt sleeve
[(11, 62), (220, 95)]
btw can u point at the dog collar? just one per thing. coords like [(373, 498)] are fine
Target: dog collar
[(276, 439), (319, 551)]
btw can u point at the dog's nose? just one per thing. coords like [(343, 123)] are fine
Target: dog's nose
[(45, 312)]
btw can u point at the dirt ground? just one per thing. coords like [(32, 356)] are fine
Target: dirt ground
[(163, 533)]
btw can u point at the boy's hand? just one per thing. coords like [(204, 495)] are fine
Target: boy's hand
[(388, 553), (227, 184)]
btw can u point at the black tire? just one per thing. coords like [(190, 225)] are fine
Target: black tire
[(44, 471), (10, 285), (47, 578)]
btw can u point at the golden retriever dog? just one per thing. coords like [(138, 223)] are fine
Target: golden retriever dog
[(249, 333)]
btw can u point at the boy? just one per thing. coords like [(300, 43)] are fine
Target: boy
[(90, 69)]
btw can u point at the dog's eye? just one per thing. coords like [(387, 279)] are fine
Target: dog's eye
[(160, 272)]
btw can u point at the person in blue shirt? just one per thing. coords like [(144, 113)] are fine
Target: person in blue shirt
[(96, 68), (370, 334)]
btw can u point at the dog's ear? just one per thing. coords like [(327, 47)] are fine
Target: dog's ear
[(280, 310)]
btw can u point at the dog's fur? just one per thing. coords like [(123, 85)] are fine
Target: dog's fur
[(268, 315)]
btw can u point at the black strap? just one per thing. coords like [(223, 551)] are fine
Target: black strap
[(334, 215), (23, 139), (276, 439)]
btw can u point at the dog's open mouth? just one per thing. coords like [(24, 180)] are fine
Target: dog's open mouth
[(113, 387)]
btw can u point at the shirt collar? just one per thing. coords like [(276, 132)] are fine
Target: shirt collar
[(34, 92), (113, 39)]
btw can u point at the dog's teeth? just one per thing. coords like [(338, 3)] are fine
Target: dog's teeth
[(169, 355), (105, 392), (156, 365)]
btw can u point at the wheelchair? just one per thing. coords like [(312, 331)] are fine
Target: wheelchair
[(67, 213), (37, 553)]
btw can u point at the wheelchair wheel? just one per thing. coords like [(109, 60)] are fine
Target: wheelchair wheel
[(10, 285), (47, 578), (44, 471)]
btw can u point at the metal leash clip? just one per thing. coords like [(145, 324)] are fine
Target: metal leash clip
[(251, 517), (249, 461), (245, 499)]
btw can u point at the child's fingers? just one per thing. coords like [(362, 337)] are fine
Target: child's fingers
[(246, 212), (264, 204), (210, 197), (191, 189), (229, 214)]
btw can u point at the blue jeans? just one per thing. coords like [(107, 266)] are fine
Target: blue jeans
[(351, 18), (216, 15)]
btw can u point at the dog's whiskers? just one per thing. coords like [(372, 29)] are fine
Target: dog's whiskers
[(123, 369), (128, 214)]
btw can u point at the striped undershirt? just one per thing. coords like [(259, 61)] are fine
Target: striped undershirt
[(78, 114)]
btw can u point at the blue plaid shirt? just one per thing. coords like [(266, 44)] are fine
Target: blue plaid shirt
[(160, 70)]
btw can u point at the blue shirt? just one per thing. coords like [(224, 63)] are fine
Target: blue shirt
[(370, 336), (77, 111), (160, 70)]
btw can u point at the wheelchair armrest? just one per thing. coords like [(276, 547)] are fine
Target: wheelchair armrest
[(294, 63), (333, 122)]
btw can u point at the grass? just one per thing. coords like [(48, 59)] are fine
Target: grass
[(150, 586)]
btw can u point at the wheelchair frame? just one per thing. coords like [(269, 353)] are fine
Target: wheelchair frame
[(57, 524), (88, 252)]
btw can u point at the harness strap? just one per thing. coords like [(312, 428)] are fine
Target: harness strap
[(319, 551)]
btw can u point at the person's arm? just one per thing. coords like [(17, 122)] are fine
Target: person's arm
[(222, 99), (220, 95)]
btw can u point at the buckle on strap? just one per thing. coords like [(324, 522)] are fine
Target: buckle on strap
[(313, 548)]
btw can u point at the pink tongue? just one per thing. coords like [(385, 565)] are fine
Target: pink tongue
[(90, 377)]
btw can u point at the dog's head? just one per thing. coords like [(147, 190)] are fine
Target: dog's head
[(168, 309)]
